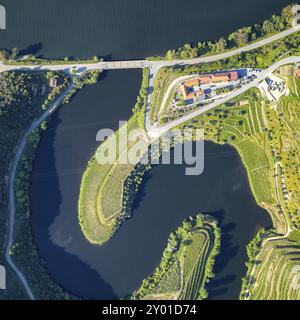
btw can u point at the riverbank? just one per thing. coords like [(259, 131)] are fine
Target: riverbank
[(19, 240), (23, 250), (239, 38), (107, 212), (21, 103), (114, 36), (187, 263), (105, 197)]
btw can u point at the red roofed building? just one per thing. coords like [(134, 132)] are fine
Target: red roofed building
[(225, 76), (191, 88), (205, 78)]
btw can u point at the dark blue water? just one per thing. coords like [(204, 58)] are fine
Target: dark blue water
[(167, 196), (122, 29), (129, 29)]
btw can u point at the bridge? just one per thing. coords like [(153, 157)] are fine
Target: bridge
[(139, 64)]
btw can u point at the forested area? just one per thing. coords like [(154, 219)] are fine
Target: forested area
[(23, 97)]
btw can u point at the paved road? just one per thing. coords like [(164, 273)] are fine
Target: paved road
[(36, 123), (155, 65), (230, 53), (155, 132)]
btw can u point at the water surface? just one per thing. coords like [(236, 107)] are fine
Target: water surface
[(166, 197), (128, 30), (124, 29)]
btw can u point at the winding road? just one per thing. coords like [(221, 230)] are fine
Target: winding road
[(152, 131), (36, 123)]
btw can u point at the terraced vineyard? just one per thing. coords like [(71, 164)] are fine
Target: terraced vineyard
[(194, 264), (101, 196), (267, 137), (275, 276), (187, 263)]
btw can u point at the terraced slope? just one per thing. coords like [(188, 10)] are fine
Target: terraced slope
[(101, 200), (275, 276), (186, 264), (267, 137), (194, 264)]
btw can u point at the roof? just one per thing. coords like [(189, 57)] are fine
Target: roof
[(205, 78), (225, 76), (192, 91), (53, 82), (191, 82), (191, 87)]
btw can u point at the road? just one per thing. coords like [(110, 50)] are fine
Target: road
[(230, 53), (36, 123), (155, 132), (155, 65)]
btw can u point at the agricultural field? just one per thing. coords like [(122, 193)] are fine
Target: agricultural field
[(101, 200), (102, 203), (275, 272), (266, 135), (187, 263), (246, 124), (259, 58)]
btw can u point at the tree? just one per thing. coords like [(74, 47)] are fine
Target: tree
[(278, 23), (170, 54), (187, 224), (4, 55), (221, 45), (203, 293), (267, 27), (288, 14), (242, 36), (14, 53), (199, 221)]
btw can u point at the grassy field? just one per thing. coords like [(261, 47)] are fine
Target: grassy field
[(101, 200), (187, 263)]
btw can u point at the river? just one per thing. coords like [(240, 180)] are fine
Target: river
[(166, 197), (128, 30)]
